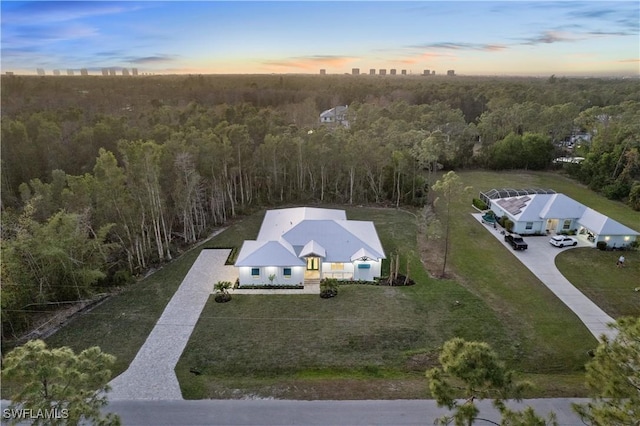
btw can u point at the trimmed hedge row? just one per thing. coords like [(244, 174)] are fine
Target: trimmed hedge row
[(479, 204), (271, 287)]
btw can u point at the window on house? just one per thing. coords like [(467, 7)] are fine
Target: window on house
[(255, 272), (337, 266), (286, 272), (364, 266), (567, 224), (529, 225)]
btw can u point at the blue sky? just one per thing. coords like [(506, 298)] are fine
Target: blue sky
[(472, 37)]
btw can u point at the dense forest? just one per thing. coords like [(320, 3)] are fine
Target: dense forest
[(105, 177)]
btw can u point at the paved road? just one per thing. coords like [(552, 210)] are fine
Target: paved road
[(297, 413), (303, 413), (540, 259), (151, 374)]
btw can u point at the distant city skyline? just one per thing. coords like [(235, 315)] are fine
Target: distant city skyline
[(516, 38)]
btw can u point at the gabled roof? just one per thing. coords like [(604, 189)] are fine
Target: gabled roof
[(268, 253), (362, 254), (312, 248), (335, 237), (603, 225), (279, 221), (288, 235), (561, 206), (339, 110), (366, 232), (549, 205)]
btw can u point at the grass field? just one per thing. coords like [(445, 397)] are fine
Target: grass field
[(369, 342), (366, 334), (121, 324), (610, 287)]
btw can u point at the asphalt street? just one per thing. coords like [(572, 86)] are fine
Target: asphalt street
[(263, 412), (302, 413)]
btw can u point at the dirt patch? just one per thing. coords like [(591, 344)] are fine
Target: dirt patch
[(400, 280), (329, 389), (414, 387), (431, 254), (423, 361), (431, 245)]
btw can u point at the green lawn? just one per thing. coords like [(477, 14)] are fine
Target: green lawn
[(549, 336), (367, 333), (594, 272), (121, 324), (369, 341), (306, 347), (268, 345)]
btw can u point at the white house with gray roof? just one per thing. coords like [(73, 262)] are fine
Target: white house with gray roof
[(301, 244), (336, 115), (542, 211)]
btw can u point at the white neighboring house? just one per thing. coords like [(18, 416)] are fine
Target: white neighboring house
[(305, 244), (337, 115), (538, 211)]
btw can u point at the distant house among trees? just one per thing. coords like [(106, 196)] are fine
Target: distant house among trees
[(334, 116)]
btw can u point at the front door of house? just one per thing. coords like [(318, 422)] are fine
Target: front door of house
[(313, 267)]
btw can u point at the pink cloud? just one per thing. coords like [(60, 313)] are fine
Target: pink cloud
[(310, 62)]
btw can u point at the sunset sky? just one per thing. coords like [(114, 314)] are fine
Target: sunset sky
[(208, 37)]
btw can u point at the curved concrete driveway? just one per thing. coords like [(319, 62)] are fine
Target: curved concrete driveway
[(540, 259), (151, 374)]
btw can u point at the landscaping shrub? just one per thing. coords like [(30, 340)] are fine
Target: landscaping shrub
[(222, 291), (271, 286), (508, 225), (601, 245), (361, 282), (222, 297), (479, 204), (328, 288)]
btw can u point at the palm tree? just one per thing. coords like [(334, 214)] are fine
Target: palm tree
[(222, 291)]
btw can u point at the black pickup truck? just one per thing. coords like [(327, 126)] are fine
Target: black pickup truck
[(516, 242)]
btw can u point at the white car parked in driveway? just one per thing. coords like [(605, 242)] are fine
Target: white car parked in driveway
[(563, 241)]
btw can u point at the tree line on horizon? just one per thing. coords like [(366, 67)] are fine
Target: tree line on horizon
[(103, 180)]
